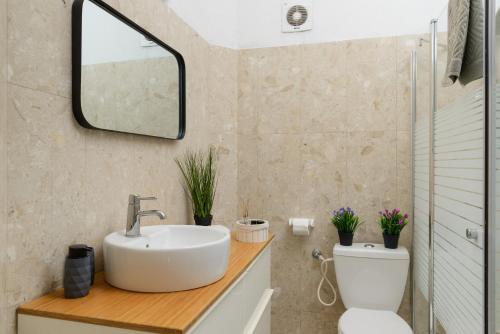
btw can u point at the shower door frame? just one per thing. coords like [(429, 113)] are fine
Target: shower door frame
[(433, 109), (490, 165)]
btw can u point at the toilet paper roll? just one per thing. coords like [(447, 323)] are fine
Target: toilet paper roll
[(300, 226), (300, 230)]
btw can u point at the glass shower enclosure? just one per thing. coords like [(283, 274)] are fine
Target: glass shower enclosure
[(454, 149)]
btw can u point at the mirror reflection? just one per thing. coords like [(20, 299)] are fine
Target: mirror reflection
[(129, 83)]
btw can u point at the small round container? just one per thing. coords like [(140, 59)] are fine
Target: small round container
[(252, 230)]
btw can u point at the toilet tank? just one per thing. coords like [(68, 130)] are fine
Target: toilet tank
[(370, 275)]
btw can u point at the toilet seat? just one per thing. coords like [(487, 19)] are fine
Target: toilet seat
[(364, 321)]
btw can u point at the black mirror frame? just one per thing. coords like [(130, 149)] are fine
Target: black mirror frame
[(77, 11)]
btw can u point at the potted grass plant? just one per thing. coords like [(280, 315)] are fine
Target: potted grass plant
[(199, 173), (346, 221), (392, 223)]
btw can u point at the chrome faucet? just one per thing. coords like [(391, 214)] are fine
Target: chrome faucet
[(134, 214)]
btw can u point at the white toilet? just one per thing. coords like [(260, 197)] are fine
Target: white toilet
[(371, 281)]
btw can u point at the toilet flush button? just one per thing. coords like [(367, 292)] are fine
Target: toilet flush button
[(369, 246)]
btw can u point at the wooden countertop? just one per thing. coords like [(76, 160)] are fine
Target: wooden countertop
[(171, 313)]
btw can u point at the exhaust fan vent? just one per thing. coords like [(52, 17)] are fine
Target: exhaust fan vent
[(297, 16)]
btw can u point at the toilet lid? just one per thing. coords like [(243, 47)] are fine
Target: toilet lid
[(364, 321)]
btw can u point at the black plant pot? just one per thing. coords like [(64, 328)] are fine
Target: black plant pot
[(203, 221), (391, 240), (346, 238)]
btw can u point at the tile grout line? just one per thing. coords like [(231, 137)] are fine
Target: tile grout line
[(5, 154), (10, 83)]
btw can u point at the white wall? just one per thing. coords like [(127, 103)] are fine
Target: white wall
[(335, 20), (257, 23), (216, 20)]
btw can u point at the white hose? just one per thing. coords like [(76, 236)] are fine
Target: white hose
[(324, 278)]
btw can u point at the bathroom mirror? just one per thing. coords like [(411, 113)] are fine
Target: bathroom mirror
[(124, 78)]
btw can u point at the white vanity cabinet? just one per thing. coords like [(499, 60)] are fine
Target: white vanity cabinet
[(244, 307)]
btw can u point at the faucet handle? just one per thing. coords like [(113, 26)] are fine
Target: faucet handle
[(136, 199)]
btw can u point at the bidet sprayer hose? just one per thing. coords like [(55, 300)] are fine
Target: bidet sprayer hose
[(324, 269)]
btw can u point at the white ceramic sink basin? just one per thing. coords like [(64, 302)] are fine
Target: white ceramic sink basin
[(167, 257)]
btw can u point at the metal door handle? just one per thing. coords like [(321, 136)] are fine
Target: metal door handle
[(471, 233)]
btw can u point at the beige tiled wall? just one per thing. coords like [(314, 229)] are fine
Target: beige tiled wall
[(67, 184), (320, 127), (300, 130), (3, 159)]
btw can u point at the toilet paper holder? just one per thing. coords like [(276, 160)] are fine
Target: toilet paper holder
[(301, 226)]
